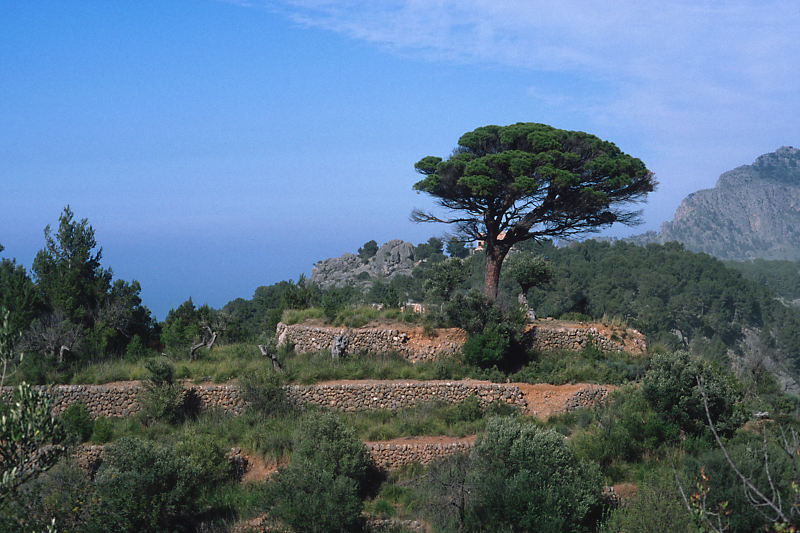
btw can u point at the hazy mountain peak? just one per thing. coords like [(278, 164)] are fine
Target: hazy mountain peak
[(753, 211)]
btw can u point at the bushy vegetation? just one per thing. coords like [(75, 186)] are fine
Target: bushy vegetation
[(71, 309), (167, 469), (319, 490), (783, 277), (527, 478), (675, 297)]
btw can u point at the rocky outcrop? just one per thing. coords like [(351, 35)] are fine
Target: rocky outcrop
[(752, 212), (393, 258)]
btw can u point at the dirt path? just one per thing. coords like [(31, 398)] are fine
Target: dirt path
[(546, 400)]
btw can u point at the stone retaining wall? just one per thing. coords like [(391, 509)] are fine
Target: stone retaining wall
[(415, 347), (393, 455), (358, 396), (120, 400), (586, 397), (387, 455), (310, 338), (556, 337)]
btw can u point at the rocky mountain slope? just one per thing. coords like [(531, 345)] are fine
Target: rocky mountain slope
[(752, 212), (393, 258)]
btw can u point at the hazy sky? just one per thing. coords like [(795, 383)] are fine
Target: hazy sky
[(218, 146)]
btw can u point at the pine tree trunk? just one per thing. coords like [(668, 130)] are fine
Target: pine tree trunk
[(494, 260)]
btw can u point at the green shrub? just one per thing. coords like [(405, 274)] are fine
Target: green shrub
[(670, 385), (382, 508), (103, 430), (526, 478), (723, 485), (145, 487), (136, 349), (308, 499), (626, 428), (264, 393), (63, 493), (207, 455), (320, 488), (488, 348), (162, 398), (471, 312), (657, 504), (77, 423), (467, 411), (332, 302)]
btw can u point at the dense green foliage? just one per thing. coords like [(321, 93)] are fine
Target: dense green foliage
[(18, 295), (369, 249), (722, 484), (319, 491), (627, 427), (145, 487), (77, 423), (71, 310), (525, 478), (673, 296), (30, 440), (671, 386), (162, 398), (783, 277)]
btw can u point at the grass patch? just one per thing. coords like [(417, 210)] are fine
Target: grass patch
[(452, 420), (296, 316), (270, 437), (351, 316), (310, 368), (585, 366)]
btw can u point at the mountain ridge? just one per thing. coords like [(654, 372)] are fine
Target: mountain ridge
[(752, 212)]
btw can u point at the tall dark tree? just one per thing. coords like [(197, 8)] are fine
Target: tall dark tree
[(531, 181), (68, 272), (18, 295)]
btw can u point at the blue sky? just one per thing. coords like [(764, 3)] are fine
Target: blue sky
[(216, 146)]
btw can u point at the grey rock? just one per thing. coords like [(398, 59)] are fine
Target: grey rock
[(393, 258), (752, 212)]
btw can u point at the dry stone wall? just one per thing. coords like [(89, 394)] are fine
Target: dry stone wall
[(359, 396), (575, 337), (121, 401), (586, 397), (409, 344), (393, 455), (387, 455), (413, 345)]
